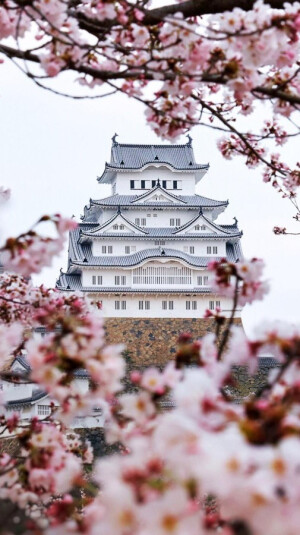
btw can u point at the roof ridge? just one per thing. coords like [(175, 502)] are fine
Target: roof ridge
[(151, 145)]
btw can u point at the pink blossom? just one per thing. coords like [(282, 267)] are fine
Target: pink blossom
[(153, 380), (10, 338)]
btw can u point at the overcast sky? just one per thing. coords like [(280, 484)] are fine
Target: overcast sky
[(53, 148)]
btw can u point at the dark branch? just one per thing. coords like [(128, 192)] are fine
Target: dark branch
[(276, 93), (193, 8)]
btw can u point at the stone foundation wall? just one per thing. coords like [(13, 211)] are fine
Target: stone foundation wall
[(153, 341)]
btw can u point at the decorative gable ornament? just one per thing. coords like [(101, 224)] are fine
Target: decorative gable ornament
[(158, 194)]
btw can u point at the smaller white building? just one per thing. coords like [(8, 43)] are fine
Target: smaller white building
[(28, 400)]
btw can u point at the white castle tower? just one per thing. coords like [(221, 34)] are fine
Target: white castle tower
[(143, 252)]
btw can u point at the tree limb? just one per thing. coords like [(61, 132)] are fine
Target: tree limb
[(193, 8)]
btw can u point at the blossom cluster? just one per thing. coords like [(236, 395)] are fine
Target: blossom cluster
[(188, 458), (187, 69), (241, 281), (50, 465), (30, 252)]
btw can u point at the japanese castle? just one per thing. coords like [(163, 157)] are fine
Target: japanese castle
[(143, 251)]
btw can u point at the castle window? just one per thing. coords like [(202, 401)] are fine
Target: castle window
[(137, 221), (197, 227), (202, 280), (94, 279), (172, 222), (189, 303), (203, 227), (174, 184), (215, 250), (154, 215), (214, 304), (44, 410), (208, 249), (192, 249), (167, 304), (122, 227), (120, 305), (177, 222), (99, 279), (131, 184), (144, 305), (117, 280), (162, 275), (143, 184), (115, 227), (107, 249), (143, 222), (127, 249), (164, 184), (153, 183)]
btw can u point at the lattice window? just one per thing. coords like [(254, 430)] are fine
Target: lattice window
[(202, 280), (167, 304), (162, 275), (44, 410), (120, 305)]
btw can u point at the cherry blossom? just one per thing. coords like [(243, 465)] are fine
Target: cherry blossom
[(186, 64), (30, 252)]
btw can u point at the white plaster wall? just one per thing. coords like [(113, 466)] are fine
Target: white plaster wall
[(200, 247), (156, 310), (154, 172), (81, 385), (12, 391), (108, 276), (157, 218)]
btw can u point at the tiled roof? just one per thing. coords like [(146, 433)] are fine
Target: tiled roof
[(190, 201), (136, 156), (228, 231), (94, 230), (85, 257), (36, 396), (234, 252), (209, 222), (167, 232), (156, 190)]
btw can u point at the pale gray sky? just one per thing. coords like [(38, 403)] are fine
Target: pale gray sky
[(52, 150)]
